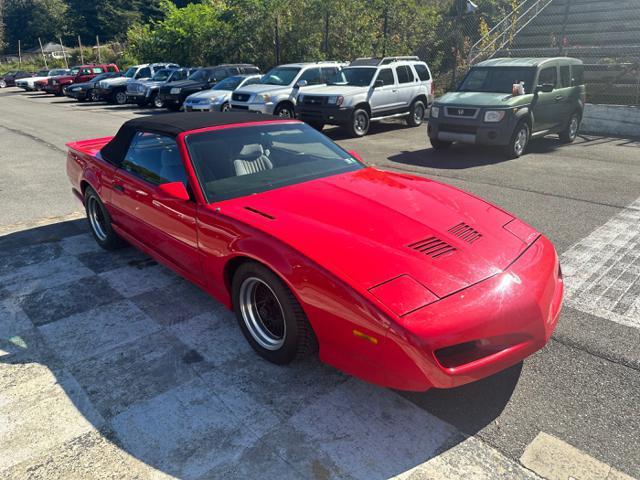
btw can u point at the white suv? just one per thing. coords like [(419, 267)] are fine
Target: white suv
[(370, 89), (276, 92)]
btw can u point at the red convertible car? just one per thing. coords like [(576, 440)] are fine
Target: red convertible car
[(400, 280)]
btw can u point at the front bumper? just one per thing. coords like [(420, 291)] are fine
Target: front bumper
[(472, 131), (330, 115), (53, 89), (264, 108), (77, 94), (201, 107), (481, 330)]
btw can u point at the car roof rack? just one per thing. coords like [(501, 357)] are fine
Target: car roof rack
[(375, 61)]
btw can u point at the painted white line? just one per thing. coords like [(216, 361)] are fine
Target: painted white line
[(554, 459), (602, 271)]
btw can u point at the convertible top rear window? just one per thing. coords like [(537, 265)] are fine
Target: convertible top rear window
[(242, 161)]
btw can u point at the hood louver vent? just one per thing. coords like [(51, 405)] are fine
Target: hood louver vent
[(465, 232), (432, 246)]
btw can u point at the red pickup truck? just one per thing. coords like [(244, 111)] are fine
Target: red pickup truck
[(80, 74)]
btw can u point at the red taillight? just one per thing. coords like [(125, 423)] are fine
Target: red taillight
[(433, 88)]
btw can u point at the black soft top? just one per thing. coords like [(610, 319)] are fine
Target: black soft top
[(172, 125)]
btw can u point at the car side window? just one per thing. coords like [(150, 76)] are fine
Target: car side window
[(155, 159), (548, 76), (328, 72), (217, 75), (577, 75), (144, 73), (97, 70), (565, 76), (422, 71), (111, 68), (313, 76), (386, 75), (404, 73), (251, 81)]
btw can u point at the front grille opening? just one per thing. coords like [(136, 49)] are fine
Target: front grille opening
[(465, 232), (464, 353), (432, 246)]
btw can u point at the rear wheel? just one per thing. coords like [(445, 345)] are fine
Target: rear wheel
[(92, 96), (225, 107), (416, 114), (120, 97), (360, 122), (156, 101), (439, 144), (270, 316), (100, 221), (519, 141), (3, 84), (570, 133), (285, 110)]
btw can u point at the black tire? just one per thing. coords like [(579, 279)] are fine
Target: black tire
[(225, 107), (119, 97), (285, 110), (519, 140), (569, 134), (360, 123), (102, 231), (174, 107), (156, 101), (3, 84), (439, 144), (294, 338), (416, 114)]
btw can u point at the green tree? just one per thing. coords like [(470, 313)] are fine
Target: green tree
[(26, 20)]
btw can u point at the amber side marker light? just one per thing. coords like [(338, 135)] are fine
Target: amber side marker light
[(364, 336)]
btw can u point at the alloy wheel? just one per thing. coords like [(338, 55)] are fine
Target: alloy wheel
[(96, 219), (262, 313)]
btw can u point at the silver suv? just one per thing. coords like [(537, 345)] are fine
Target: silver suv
[(276, 92), (370, 89)]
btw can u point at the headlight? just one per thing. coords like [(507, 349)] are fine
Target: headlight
[(263, 97), (494, 116), (435, 111), (336, 100), (216, 100)]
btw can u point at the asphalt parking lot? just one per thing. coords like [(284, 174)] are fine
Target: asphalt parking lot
[(112, 366)]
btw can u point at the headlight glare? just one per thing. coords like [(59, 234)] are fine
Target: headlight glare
[(435, 112), (336, 100), (494, 116), (263, 97)]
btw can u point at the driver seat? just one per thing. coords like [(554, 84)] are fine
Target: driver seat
[(252, 159)]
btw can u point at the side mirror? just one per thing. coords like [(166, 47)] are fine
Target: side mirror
[(173, 191), (355, 155), (302, 83), (545, 88), (378, 84)]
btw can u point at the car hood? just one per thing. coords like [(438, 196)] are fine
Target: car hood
[(33, 79), (117, 81), (264, 88), (371, 226), (82, 85), (479, 99), (330, 90), (188, 84), (210, 94)]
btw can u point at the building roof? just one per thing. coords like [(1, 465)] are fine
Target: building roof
[(524, 62)]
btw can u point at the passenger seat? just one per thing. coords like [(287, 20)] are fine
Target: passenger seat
[(253, 159)]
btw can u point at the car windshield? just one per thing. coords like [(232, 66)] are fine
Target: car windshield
[(162, 75), (497, 79), (237, 162), (42, 73), (229, 83), (280, 76), (359, 77), (74, 70), (131, 72), (11, 73), (102, 76), (199, 75)]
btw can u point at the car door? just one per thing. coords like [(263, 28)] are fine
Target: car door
[(165, 226), (406, 85), (546, 108), (565, 95), (384, 97)]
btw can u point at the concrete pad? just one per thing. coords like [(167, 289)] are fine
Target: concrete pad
[(185, 431), (65, 299), (133, 372), (12, 319), (175, 303), (372, 433), (554, 459), (40, 276), (97, 331), (469, 459), (104, 260), (11, 259), (88, 456), (41, 414), (130, 281), (79, 244)]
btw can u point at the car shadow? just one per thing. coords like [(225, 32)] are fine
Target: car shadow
[(161, 372), (376, 128)]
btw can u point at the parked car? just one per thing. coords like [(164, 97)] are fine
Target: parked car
[(9, 78), (276, 92), (488, 109), (80, 74), (145, 92), (86, 91), (252, 209), (114, 90), (370, 89), (29, 83), (216, 99), (175, 94)]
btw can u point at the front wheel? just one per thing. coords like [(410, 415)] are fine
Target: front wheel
[(92, 96), (360, 122), (100, 221), (120, 97), (569, 134), (270, 316), (156, 101), (285, 111), (519, 141), (225, 107), (416, 114), (3, 84)]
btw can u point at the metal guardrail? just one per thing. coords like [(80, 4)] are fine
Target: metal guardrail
[(505, 31)]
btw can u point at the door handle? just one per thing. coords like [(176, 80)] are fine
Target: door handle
[(394, 91), (559, 98), (118, 187)]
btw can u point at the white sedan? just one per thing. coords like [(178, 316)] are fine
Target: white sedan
[(29, 83), (216, 99)]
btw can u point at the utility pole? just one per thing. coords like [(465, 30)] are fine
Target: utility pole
[(20, 54), (385, 28), (98, 47), (277, 39), (326, 33), (64, 53), (81, 53), (44, 57)]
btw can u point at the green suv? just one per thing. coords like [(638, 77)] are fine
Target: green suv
[(508, 101)]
